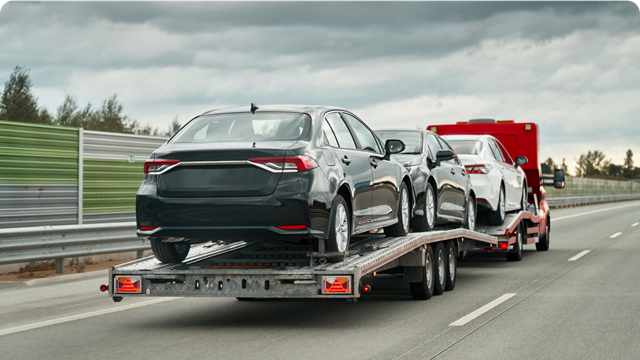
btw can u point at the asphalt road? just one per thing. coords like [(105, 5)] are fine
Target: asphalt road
[(588, 308)]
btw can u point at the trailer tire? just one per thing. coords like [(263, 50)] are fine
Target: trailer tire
[(170, 252), (461, 256), (426, 222), (516, 253), (543, 242), (423, 290), (451, 263), (339, 236), (401, 228), (440, 256), (497, 217)]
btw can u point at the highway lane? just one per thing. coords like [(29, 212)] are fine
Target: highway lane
[(561, 309)]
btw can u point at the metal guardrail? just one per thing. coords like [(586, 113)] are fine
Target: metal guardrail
[(585, 200), (68, 241)]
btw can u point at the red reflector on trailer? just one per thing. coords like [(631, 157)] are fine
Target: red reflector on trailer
[(367, 288), (128, 284), (503, 246), (104, 288), (292, 227), (148, 228), (336, 285)]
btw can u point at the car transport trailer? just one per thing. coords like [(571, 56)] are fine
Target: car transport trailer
[(247, 270)]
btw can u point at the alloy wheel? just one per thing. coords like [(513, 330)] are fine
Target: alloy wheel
[(342, 228), (502, 206), (405, 211), (471, 215), (430, 208)]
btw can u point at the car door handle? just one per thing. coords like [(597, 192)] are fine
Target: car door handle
[(374, 163), (346, 160)]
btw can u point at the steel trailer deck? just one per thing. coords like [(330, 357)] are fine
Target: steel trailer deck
[(278, 270)]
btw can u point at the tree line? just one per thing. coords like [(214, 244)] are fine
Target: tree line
[(18, 103), (593, 164)]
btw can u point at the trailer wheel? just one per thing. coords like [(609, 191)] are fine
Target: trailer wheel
[(543, 242), (451, 265), (423, 290), (516, 253), (497, 217), (340, 228), (426, 222), (170, 252), (401, 228), (440, 256)]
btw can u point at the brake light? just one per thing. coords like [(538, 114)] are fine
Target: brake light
[(292, 227), (297, 163), (148, 228), (128, 284), (157, 165), (503, 245), (333, 285), (479, 169)]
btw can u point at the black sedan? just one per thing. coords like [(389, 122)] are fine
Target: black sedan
[(444, 194), (295, 173)]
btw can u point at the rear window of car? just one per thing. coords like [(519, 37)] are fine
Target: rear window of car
[(245, 127), (466, 147), (412, 139)]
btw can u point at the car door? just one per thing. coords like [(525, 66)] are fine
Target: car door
[(508, 177), (386, 185), (457, 176), (442, 174), (356, 168), (513, 177)]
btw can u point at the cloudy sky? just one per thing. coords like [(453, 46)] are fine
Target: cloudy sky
[(572, 67)]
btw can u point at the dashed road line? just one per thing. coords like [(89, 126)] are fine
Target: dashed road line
[(634, 224), (467, 318), (615, 235), (579, 255)]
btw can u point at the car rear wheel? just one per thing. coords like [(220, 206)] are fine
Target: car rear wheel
[(340, 229), (170, 252), (401, 228), (497, 217), (427, 221)]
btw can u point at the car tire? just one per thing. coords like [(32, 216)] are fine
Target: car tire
[(543, 242), (497, 217), (339, 228), (516, 253), (451, 263), (401, 228), (525, 197), (423, 290), (439, 256), (170, 252), (426, 222), (471, 214)]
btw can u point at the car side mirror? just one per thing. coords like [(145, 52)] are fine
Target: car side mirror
[(444, 155), (521, 160), (558, 179), (394, 146)]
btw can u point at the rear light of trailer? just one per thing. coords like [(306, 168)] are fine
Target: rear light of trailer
[(336, 285), (296, 163), (158, 165), (479, 169), (129, 284), (503, 245)]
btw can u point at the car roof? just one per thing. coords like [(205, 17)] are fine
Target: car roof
[(311, 109), (462, 137), (407, 130)]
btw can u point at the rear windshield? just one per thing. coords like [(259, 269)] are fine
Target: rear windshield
[(466, 147), (412, 139), (245, 127)]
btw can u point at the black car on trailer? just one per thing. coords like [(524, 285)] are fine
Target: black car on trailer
[(283, 172)]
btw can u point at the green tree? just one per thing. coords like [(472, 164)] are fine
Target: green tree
[(173, 128), (592, 164), (18, 103), (548, 166), (565, 168)]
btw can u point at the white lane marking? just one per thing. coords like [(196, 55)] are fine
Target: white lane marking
[(579, 255), (615, 235), (15, 329), (634, 224), (592, 212), (465, 319)]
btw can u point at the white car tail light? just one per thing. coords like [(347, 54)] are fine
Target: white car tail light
[(479, 169)]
